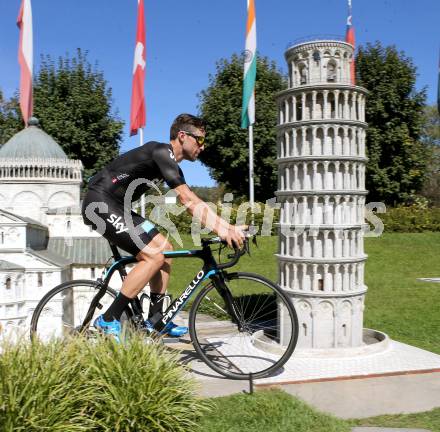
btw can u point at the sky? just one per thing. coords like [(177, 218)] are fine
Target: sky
[(185, 39)]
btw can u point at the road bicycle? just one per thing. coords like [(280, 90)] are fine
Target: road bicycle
[(241, 324)]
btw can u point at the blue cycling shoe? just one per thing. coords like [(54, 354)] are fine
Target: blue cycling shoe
[(170, 329), (174, 330), (112, 328)]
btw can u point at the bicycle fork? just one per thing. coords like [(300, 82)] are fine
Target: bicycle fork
[(93, 305), (225, 294)]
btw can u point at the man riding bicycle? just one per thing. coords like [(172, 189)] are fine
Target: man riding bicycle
[(103, 209)]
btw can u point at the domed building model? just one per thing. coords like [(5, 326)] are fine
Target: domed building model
[(36, 175), (43, 240)]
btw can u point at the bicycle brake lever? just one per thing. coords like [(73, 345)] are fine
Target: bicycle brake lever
[(240, 251), (247, 248)]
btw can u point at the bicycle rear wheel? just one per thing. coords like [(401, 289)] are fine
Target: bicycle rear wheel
[(62, 310), (259, 342)]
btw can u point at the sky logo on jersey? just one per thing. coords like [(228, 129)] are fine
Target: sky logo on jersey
[(115, 221), (119, 177)]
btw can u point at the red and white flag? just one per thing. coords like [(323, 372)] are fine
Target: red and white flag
[(349, 37), (137, 115), (25, 58)]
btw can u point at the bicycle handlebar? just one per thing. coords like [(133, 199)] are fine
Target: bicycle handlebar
[(238, 252)]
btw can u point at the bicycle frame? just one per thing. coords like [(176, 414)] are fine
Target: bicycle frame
[(211, 269)]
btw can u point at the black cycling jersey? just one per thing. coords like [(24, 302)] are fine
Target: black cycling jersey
[(153, 161), (103, 206)]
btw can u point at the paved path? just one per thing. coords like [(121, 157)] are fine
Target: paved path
[(369, 397), (347, 398), (351, 398)]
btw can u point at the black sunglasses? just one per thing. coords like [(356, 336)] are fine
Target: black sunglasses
[(199, 138)]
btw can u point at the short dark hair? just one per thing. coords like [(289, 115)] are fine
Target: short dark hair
[(185, 122)]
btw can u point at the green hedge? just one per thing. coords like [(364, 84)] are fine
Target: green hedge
[(414, 218), (411, 219), (79, 385), (163, 215)]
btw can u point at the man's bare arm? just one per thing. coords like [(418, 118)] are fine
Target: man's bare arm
[(198, 208)]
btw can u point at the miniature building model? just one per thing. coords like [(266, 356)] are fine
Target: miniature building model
[(321, 166), (43, 240)]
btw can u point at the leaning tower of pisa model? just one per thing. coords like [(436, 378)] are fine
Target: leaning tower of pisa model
[(321, 188)]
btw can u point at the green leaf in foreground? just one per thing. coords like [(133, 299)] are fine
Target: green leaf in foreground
[(42, 387), (80, 385), (142, 387)]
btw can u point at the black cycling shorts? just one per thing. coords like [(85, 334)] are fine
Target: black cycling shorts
[(128, 230)]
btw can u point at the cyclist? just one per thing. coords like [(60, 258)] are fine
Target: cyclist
[(125, 179)]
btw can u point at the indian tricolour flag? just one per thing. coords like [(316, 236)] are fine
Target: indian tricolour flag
[(250, 68)]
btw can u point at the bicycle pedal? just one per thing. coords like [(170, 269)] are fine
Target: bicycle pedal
[(149, 340), (170, 340)]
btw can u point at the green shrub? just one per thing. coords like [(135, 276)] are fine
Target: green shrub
[(141, 387), (79, 385), (411, 219), (43, 387), (414, 218)]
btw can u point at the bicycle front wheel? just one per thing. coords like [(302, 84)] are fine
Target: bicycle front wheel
[(62, 310), (246, 325)]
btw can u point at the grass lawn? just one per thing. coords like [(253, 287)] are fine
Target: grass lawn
[(396, 303), (277, 411), (427, 420), (268, 411)]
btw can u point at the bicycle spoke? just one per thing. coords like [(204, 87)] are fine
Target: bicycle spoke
[(63, 310), (216, 305), (254, 313), (255, 345)]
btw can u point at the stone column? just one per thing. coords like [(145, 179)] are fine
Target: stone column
[(337, 113), (324, 108), (294, 108), (303, 106), (346, 110), (313, 113)]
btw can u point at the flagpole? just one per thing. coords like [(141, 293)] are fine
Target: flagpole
[(251, 171), (141, 141), (438, 84), (248, 108), (137, 110)]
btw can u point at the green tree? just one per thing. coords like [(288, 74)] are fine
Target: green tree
[(397, 164), (226, 153), (431, 137), (73, 102), (431, 126), (10, 121)]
